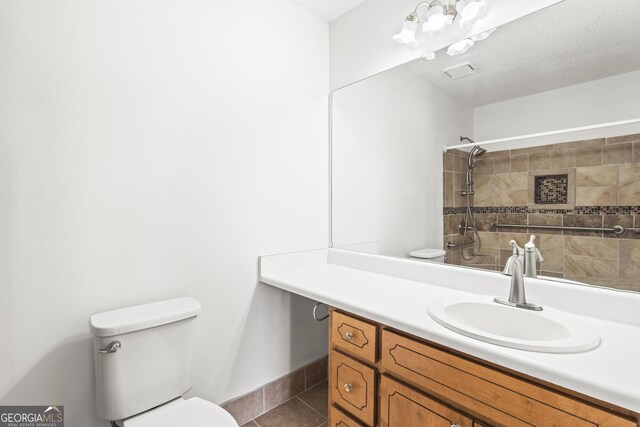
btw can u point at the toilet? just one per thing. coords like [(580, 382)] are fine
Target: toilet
[(429, 255), (144, 364)]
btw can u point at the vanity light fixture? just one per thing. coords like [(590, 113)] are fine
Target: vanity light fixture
[(437, 18), (429, 56), (482, 36), (440, 14), (471, 10), (461, 47), (408, 33)]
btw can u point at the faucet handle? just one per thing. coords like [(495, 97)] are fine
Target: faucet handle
[(509, 265), (539, 255), (517, 250)]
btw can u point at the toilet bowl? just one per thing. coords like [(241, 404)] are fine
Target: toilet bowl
[(194, 412), (429, 255), (144, 364)]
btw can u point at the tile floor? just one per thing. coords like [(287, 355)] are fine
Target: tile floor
[(308, 409)]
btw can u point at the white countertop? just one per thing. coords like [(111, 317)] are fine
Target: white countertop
[(396, 292)]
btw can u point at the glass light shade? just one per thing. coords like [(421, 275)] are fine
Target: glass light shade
[(436, 19), (429, 56), (470, 10), (460, 47), (482, 36), (408, 34)]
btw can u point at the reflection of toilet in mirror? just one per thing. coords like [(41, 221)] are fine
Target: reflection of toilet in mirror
[(144, 364), (428, 255)]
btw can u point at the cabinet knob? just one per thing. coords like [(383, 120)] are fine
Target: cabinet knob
[(348, 387), (455, 425), (348, 336)]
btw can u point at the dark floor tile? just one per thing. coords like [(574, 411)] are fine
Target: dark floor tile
[(283, 389), (316, 372), (293, 413), (249, 424), (317, 398), (247, 407)]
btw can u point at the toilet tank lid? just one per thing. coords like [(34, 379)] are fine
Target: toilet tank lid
[(428, 253), (139, 317)]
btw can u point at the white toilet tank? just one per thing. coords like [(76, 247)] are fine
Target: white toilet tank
[(154, 360)]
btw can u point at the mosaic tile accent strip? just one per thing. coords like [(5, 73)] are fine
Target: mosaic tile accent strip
[(579, 210), (454, 211), (551, 189)]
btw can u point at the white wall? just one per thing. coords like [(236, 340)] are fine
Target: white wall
[(611, 99), (152, 149), (362, 45), (388, 133)]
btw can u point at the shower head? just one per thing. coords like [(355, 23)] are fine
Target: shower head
[(476, 151), (479, 152)]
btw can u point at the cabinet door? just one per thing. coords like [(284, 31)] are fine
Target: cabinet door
[(501, 398), (353, 387), (338, 419), (401, 406)]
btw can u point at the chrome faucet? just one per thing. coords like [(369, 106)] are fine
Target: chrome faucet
[(513, 268)]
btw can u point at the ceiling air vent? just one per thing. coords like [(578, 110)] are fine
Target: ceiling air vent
[(460, 70)]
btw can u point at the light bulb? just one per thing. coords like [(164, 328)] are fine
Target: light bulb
[(436, 19), (460, 47), (470, 10), (408, 33)]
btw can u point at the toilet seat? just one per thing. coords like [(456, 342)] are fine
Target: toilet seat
[(194, 412)]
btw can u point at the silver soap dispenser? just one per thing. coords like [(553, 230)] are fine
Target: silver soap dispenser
[(532, 256)]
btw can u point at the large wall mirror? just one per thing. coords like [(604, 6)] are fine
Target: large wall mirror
[(574, 65)]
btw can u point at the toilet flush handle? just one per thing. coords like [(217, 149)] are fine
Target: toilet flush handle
[(111, 348)]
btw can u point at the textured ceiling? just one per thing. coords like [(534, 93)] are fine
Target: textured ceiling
[(328, 9), (569, 43)]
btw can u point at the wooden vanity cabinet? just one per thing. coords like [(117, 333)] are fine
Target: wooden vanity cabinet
[(379, 377), (402, 406)]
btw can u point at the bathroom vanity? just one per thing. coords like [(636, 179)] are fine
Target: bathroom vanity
[(381, 376), (392, 364)]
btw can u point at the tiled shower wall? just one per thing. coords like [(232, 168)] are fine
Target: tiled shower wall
[(604, 191)]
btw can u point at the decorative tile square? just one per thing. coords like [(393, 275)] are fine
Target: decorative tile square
[(551, 189)]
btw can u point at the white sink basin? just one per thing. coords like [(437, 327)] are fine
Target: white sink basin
[(547, 331)]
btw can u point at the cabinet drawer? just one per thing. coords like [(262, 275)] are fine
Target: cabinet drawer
[(487, 392), (353, 387), (401, 406), (354, 336), (337, 418)]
